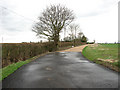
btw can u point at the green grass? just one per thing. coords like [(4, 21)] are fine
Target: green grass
[(4, 72), (102, 51)]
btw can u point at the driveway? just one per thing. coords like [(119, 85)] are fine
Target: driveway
[(62, 70)]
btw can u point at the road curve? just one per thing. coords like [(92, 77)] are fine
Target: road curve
[(62, 70)]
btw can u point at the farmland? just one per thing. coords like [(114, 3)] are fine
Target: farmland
[(103, 54)]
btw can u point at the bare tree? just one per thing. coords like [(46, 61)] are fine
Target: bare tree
[(73, 30), (52, 21), (80, 34)]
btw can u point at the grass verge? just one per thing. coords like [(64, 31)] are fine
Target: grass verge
[(104, 54)]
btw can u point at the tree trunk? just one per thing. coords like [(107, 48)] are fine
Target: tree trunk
[(56, 40)]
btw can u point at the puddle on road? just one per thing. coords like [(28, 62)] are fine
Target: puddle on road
[(75, 59), (49, 79), (82, 61), (33, 67), (62, 52), (48, 68)]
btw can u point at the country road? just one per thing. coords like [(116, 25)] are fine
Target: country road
[(62, 70)]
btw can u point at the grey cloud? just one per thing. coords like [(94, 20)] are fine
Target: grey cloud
[(89, 14), (12, 22), (103, 8)]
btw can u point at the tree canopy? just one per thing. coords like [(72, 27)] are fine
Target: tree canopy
[(51, 21)]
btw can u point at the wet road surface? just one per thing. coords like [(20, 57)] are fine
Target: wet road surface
[(62, 70)]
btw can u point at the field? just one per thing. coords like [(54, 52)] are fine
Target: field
[(105, 54)]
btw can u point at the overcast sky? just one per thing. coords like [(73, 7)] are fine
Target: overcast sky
[(98, 19)]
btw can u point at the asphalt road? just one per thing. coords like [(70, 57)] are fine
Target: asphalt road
[(62, 70)]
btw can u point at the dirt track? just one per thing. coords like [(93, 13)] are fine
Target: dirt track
[(75, 49)]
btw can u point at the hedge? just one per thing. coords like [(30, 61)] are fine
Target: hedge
[(14, 52)]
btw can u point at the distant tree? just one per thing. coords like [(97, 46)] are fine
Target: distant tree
[(52, 21), (40, 41), (73, 30), (67, 39), (84, 39), (80, 34)]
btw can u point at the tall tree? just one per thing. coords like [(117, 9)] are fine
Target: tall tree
[(52, 20), (74, 30)]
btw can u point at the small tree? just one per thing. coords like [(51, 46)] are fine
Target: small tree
[(52, 21), (84, 39)]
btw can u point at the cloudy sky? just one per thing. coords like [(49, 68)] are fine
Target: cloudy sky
[(98, 19)]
